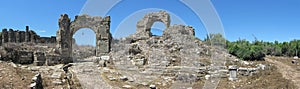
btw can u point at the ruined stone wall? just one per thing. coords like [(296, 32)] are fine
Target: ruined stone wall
[(39, 58), (51, 39), (101, 26), (62, 38), (16, 36), (144, 25)]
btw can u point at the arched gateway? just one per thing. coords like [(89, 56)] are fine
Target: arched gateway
[(101, 26)]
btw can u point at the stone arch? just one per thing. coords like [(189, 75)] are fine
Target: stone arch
[(144, 25), (101, 27), (84, 34), (157, 28)]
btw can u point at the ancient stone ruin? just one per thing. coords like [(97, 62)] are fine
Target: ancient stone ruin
[(144, 25), (177, 59), (18, 46), (16, 36), (101, 26)]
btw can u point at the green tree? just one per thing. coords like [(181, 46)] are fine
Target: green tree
[(216, 39)]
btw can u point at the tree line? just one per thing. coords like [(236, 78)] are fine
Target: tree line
[(257, 49)]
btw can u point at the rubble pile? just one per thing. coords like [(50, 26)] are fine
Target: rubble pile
[(177, 55)]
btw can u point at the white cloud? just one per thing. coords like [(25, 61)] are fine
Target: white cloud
[(42, 31)]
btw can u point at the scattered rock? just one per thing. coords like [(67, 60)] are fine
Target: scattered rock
[(295, 61), (13, 65), (37, 82), (207, 77), (124, 78), (106, 70), (130, 79), (261, 66), (296, 57), (106, 58), (111, 78), (56, 75), (127, 87), (57, 82), (144, 83), (152, 86)]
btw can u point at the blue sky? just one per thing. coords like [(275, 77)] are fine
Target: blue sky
[(268, 20)]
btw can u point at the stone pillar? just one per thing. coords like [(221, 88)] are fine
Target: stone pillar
[(27, 34), (11, 35), (22, 36), (103, 38), (4, 36), (63, 38), (33, 36), (17, 33), (233, 73)]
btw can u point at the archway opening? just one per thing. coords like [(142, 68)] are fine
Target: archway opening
[(84, 44), (157, 28)]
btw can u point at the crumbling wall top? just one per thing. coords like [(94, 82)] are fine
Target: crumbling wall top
[(144, 25)]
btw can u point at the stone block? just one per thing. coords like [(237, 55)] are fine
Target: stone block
[(233, 72), (52, 60), (25, 57), (39, 58)]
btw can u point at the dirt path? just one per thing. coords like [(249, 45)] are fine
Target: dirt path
[(287, 71), (89, 76)]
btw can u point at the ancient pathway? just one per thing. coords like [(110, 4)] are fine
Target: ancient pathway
[(89, 76), (287, 71)]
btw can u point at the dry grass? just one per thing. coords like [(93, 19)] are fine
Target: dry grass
[(270, 78)]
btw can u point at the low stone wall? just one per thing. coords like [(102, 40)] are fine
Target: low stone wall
[(37, 82), (25, 57), (53, 60), (29, 57), (39, 58)]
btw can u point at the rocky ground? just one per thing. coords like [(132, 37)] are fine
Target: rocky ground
[(83, 51), (16, 76), (89, 75), (159, 60), (280, 73), (12, 76), (288, 67), (269, 78), (178, 61)]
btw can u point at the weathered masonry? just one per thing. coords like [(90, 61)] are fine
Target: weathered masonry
[(16, 36), (101, 27), (144, 25)]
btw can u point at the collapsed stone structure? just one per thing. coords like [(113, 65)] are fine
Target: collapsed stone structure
[(20, 44), (144, 25), (16, 36), (101, 26), (143, 57)]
